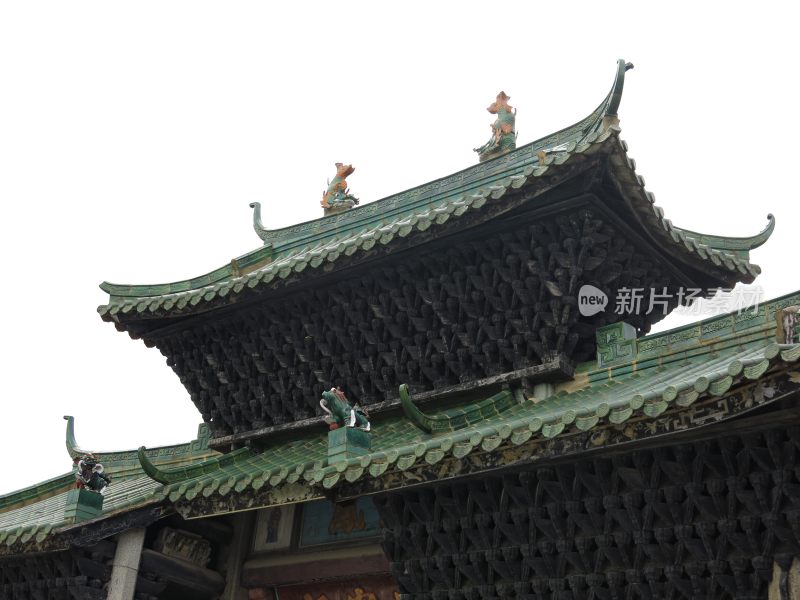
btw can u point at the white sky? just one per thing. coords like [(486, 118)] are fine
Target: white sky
[(134, 135)]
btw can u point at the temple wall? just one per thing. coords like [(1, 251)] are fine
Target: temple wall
[(708, 519)]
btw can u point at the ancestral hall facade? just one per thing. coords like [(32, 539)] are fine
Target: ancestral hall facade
[(451, 393)]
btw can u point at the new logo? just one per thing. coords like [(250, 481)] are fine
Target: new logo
[(591, 300)]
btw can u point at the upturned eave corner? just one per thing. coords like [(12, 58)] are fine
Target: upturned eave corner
[(258, 226), (740, 245), (72, 445), (178, 474), (610, 114)]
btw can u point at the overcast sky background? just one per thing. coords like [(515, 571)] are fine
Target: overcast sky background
[(134, 135)]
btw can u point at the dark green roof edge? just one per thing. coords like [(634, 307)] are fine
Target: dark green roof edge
[(726, 267), (72, 444), (176, 475), (109, 458), (453, 420), (615, 96), (254, 258), (115, 462), (736, 244), (43, 489), (288, 238), (610, 404), (348, 234)]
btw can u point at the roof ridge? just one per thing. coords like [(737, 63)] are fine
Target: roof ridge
[(197, 445), (426, 194), (178, 474)]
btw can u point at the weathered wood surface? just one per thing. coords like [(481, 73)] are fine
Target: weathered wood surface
[(77, 574), (182, 574), (474, 307), (558, 369), (705, 519)]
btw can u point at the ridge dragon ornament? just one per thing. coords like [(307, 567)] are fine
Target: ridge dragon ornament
[(504, 135), (339, 412), (337, 197), (90, 474)]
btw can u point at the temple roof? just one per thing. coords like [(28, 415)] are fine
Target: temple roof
[(671, 383), (671, 373), (29, 515), (397, 222)]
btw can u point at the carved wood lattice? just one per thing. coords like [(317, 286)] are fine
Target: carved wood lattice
[(66, 575), (703, 520), (471, 309)]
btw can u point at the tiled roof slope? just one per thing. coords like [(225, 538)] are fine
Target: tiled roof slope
[(671, 371), (31, 513), (35, 522), (310, 247)]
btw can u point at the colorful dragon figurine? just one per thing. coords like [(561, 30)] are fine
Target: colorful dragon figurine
[(504, 137), (90, 474), (338, 197), (339, 413)]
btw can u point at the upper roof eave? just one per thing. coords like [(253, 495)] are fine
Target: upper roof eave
[(291, 250), (288, 238)]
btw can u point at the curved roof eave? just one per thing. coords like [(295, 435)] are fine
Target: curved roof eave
[(734, 244), (287, 240), (312, 245)]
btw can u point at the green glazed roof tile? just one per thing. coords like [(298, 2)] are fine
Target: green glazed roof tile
[(676, 378), (308, 246)]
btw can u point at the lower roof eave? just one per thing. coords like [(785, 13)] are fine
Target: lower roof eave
[(711, 414)]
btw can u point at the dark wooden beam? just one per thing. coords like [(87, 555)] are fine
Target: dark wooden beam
[(183, 574), (559, 369)]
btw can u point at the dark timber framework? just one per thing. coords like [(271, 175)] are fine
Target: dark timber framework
[(706, 519), (469, 308)]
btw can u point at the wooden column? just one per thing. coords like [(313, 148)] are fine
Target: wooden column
[(243, 525), (126, 565)]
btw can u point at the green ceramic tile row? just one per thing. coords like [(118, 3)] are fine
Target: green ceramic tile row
[(125, 464), (40, 490), (417, 208), (38, 509), (42, 518), (191, 471), (431, 211), (457, 418), (399, 443)]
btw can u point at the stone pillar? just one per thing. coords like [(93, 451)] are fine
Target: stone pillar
[(126, 565), (243, 526)]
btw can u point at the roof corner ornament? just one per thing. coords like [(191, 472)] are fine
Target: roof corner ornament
[(151, 470), (418, 418), (72, 444), (258, 226), (339, 412), (90, 473), (337, 198), (611, 118), (504, 135)]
